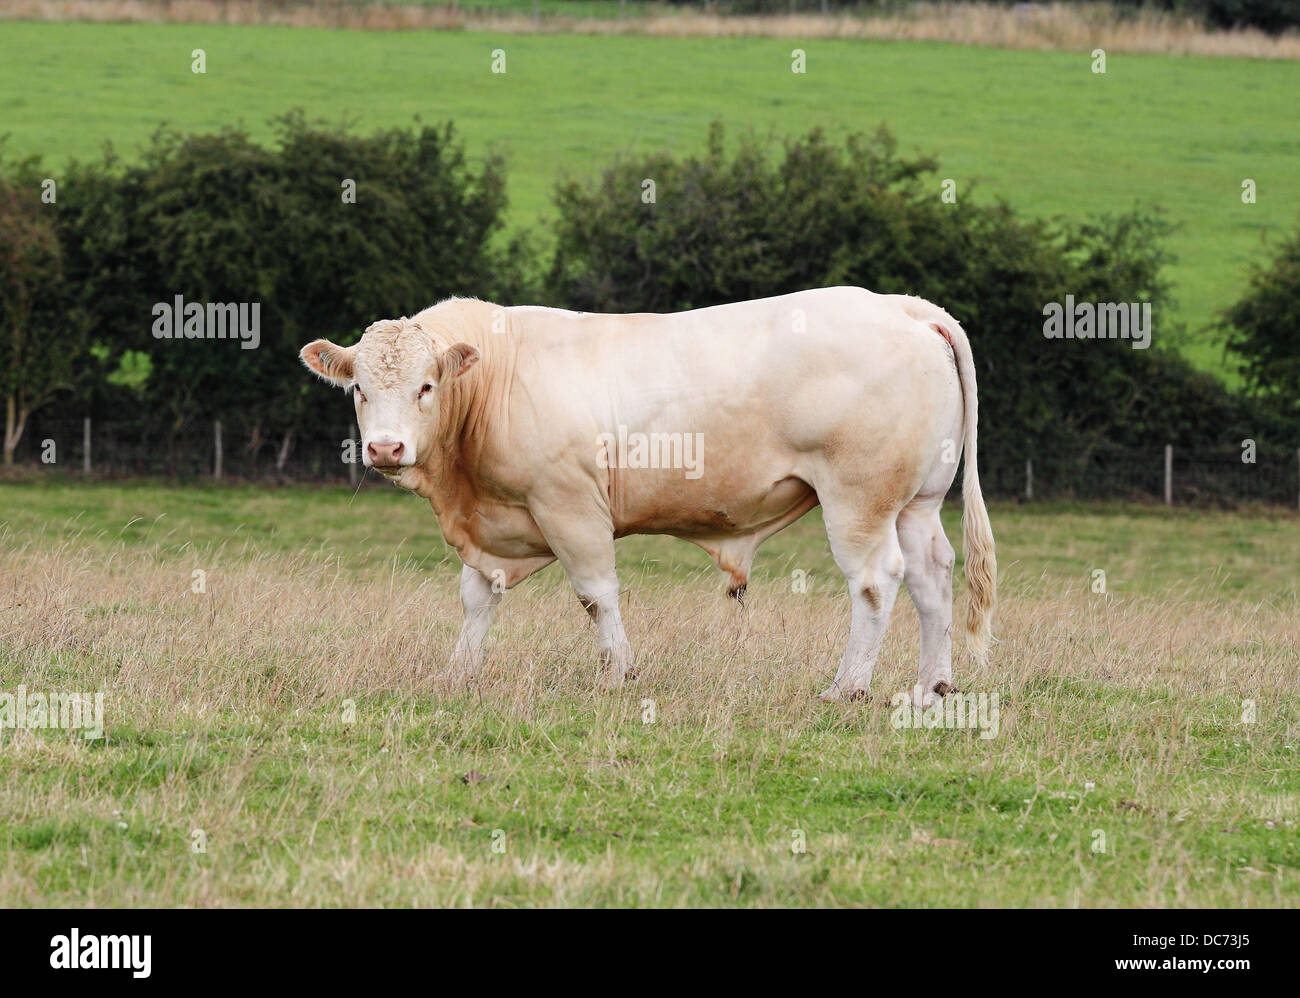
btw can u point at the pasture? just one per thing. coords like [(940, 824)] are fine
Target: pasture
[(1038, 128), (292, 718)]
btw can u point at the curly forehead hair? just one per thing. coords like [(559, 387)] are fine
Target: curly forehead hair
[(391, 347)]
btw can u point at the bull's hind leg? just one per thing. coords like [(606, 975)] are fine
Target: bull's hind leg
[(872, 562), (929, 560)]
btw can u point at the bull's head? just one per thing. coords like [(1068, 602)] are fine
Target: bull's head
[(396, 374)]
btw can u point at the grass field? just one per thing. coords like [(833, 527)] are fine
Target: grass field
[(295, 713), (1038, 128)]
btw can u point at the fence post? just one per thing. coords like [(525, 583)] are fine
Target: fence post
[(216, 446), (537, 14), (622, 10), (85, 446), (1029, 478), (1297, 455), (356, 457), (1169, 474)]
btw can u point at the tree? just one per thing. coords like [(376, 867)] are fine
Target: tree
[(41, 344), (324, 229), (1263, 330)]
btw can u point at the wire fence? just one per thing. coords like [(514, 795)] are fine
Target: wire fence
[(1161, 473), (223, 451)]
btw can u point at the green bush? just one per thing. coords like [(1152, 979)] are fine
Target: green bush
[(1263, 331), (768, 220), (221, 218), (1272, 16)]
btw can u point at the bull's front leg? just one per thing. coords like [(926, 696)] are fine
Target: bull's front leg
[(584, 545), (479, 597)]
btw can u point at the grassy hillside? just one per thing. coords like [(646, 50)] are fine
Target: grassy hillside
[(1038, 128), (287, 736)]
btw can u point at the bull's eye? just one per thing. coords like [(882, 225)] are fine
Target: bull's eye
[(356, 390), (426, 388)]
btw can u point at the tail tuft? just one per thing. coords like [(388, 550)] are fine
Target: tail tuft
[(981, 565)]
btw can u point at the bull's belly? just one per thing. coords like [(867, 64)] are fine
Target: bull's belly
[(664, 504), (501, 535)]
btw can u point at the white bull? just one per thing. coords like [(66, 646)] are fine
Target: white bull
[(538, 434)]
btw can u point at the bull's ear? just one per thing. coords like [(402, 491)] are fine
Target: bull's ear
[(329, 360), (458, 358)]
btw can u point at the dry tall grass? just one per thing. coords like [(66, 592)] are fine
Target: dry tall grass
[(1050, 26), (331, 633), (261, 664)]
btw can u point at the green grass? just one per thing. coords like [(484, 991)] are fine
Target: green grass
[(1037, 128), (575, 9), (1146, 550), (225, 712)]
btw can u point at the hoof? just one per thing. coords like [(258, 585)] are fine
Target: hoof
[(923, 699), (617, 682), (460, 676), (943, 688), (836, 695)]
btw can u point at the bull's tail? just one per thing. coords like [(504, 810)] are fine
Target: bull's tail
[(977, 533)]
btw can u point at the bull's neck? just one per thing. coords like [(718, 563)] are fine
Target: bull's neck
[(464, 410)]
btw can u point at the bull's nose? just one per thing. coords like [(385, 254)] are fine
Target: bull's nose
[(385, 454)]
